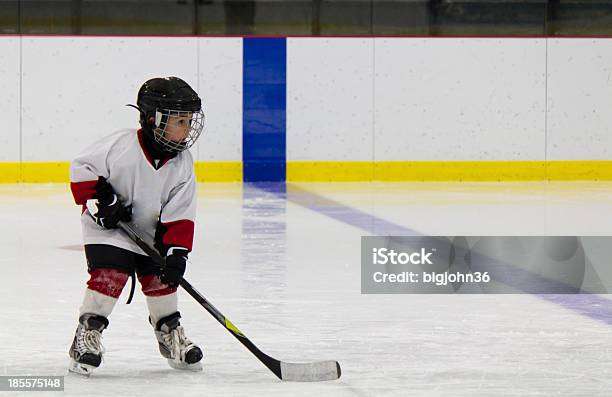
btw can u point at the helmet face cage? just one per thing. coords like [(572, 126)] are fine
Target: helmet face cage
[(169, 121)]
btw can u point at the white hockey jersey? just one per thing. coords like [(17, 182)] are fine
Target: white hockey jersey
[(164, 193)]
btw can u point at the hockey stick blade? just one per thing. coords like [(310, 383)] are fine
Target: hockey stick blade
[(311, 372), (292, 372)]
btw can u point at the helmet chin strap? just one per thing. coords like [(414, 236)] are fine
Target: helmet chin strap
[(155, 149)]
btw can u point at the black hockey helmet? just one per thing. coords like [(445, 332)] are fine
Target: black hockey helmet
[(164, 100)]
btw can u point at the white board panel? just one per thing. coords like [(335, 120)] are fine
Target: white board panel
[(329, 99), (579, 99), (459, 99), (9, 100), (220, 86)]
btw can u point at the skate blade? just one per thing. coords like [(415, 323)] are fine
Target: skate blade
[(195, 367), (80, 369)]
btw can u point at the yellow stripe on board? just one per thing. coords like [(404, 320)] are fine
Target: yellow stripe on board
[(46, 172), (580, 170), (34, 172), (329, 171), (218, 171), (358, 171), (332, 171), (10, 172), (460, 171)]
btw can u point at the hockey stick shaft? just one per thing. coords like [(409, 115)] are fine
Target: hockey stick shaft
[(327, 370)]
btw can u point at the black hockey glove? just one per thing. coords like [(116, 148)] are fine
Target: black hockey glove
[(174, 270), (108, 211)]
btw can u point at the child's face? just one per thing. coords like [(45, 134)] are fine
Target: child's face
[(177, 127)]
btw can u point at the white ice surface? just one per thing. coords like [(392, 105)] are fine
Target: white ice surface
[(289, 278)]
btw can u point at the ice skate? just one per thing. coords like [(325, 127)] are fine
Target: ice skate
[(86, 350), (180, 352)]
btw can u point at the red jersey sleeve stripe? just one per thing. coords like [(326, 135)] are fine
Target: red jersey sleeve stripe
[(83, 191), (179, 233)]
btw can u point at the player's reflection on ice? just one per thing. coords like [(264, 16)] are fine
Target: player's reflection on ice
[(264, 255)]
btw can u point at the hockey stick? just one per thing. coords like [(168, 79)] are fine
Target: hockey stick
[(303, 372)]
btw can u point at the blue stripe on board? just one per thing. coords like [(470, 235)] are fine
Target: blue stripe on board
[(264, 109)]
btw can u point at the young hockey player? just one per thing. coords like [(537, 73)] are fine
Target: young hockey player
[(147, 177)]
